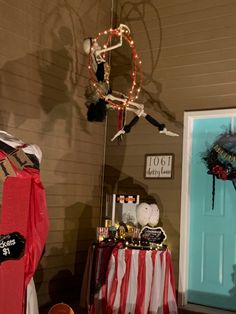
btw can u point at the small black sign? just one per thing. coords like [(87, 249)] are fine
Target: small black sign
[(12, 246), (150, 235)]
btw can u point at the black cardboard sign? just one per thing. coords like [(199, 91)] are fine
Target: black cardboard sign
[(12, 246), (150, 235)]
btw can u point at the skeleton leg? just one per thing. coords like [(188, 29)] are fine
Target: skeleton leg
[(161, 127), (138, 109)]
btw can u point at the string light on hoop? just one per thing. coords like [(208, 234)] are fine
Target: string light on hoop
[(99, 95), (136, 77)]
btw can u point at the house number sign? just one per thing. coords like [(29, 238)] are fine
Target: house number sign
[(159, 166)]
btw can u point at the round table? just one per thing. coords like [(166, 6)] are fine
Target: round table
[(132, 281)]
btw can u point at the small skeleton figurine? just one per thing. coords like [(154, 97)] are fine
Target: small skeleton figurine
[(99, 96)]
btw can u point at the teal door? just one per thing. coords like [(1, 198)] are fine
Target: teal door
[(212, 243)]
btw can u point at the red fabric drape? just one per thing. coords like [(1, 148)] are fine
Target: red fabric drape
[(24, 210)]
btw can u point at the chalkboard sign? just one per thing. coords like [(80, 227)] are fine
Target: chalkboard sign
[(12, 246), (159, 166), (150, 235)]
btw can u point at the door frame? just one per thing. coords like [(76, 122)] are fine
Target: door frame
[(189, 117)]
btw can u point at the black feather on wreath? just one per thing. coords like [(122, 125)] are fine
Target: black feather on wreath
[(220, 160)]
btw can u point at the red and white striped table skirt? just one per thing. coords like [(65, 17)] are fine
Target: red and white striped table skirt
[(137, 282)]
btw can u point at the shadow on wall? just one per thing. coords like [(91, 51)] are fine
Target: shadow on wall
[(75, 230), (59, 55), (67, 42), (60, 82), (65, 286), (43, 85), (136, 11), (59, 68)]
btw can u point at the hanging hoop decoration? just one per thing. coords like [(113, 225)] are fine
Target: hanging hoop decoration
[(220, 160), (99, 95), (105, 41)]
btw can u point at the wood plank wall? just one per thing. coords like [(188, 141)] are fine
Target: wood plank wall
[(42, 83), (188, 52)]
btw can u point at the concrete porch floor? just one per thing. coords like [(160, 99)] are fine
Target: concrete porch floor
[(198, 309), (188, 309)]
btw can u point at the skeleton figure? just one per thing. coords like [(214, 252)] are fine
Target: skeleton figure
[(99, 96)]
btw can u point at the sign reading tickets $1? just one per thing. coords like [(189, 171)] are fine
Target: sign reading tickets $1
[(12, 246)]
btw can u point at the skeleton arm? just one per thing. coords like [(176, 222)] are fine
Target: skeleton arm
[(98, 51)]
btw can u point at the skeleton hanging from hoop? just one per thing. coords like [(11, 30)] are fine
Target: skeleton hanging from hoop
[(100, 97)]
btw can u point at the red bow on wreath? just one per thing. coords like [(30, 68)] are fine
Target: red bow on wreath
[(220, 172)]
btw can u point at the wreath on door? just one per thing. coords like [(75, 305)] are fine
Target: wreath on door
[(220, 160)]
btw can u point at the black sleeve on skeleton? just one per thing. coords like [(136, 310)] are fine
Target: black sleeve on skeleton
[(127, 128), (154, 122)]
